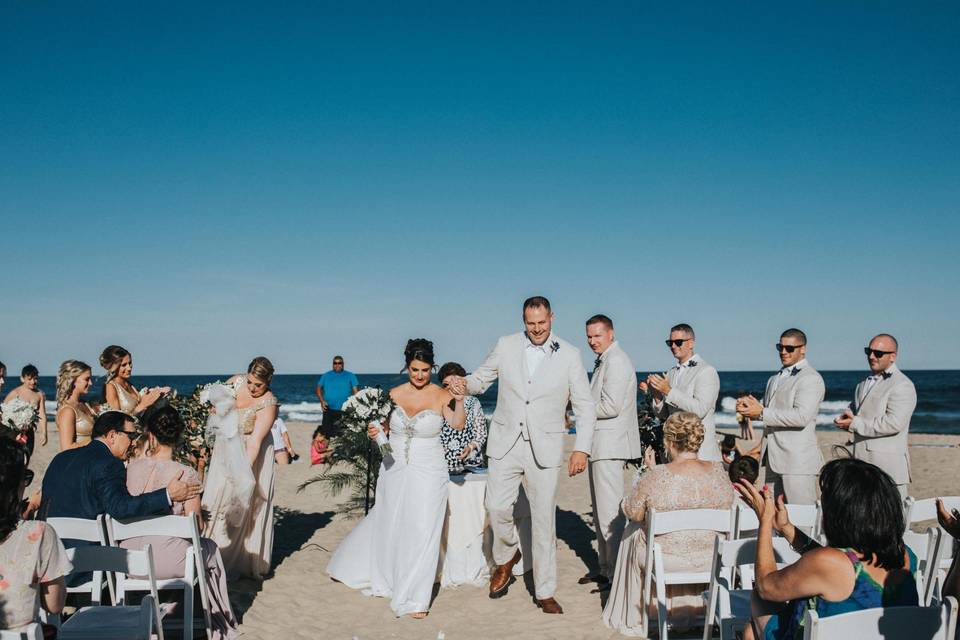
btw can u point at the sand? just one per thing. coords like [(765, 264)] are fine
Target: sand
[(300, 601)]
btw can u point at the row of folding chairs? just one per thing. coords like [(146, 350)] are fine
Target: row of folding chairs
[(127, 571)]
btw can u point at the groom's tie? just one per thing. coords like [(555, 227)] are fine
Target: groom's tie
[(596, 363)]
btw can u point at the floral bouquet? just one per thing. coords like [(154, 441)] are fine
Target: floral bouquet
[(20, 417), (368, 406), (194, 448)]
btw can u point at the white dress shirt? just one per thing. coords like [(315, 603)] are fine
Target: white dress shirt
[(683, 368), (785, 372), (534, 354)]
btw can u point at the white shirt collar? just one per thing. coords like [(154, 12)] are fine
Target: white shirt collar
[(800, 365), (692, 362), (539, 347)]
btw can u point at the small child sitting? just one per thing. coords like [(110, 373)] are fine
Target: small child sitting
[(728, 449), (319, 448), (744, 468)]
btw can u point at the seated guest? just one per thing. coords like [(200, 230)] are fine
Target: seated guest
[(865, 564), (152, 472), (728, 449), (319, 448), (685, 482), (464, 446), (89, 481), (33, 562), (746, 468), (950, 521)]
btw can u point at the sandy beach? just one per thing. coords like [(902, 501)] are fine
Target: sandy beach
[(300, 601)]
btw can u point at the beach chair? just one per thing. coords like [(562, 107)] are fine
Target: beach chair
[(729, 607), (929, 548), (88, 531), (32, 631), (195, 575), (937, 622), (720, 521), (117, 622)]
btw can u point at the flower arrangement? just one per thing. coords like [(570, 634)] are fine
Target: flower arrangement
[(19, 416), (195, 446), (352, 447)]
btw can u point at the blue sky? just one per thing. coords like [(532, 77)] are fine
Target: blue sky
[(206, 182)]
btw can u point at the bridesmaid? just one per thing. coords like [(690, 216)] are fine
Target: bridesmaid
[(247, 543), (153, 471), (74, 416), (118, 392)]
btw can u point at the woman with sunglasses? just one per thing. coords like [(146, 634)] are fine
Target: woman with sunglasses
[(33, 562)]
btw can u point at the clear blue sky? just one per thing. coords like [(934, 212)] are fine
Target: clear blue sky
[(206, 182)]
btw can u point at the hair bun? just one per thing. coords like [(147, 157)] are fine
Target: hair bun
[(165, 424), (419, 349)]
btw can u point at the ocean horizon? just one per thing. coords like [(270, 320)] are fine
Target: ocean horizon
[(938, 394)]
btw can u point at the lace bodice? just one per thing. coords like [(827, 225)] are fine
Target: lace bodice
[(665, 490), (423, 424), (248, 415)]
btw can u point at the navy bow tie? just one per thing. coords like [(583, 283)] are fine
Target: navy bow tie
[(883, 375)]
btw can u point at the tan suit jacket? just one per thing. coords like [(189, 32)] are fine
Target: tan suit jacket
[(790, 420), (614, 391), (881, 422), (696, 392), (535, 405)]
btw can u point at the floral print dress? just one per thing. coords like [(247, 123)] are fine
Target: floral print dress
[(474, 430), (30, 556)]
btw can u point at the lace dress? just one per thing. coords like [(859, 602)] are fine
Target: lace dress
[(245, 537), (665, 490), (394, 552)]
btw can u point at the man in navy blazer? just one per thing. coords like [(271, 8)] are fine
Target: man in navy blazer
[(91, 480)]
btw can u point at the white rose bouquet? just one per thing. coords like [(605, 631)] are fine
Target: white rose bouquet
[(368, 406), (19, 416)]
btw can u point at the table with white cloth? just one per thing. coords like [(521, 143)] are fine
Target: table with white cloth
[(465, 548)]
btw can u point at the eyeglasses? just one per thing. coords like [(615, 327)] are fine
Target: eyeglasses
[(876, 352), (133, 435), (789, 348), (676, 343)]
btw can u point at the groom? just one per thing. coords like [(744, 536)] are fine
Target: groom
[(538, 374)]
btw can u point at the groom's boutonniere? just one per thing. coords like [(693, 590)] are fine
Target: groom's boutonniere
[(692, 363), (554, 346)]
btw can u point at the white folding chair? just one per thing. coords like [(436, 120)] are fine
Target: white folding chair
[(720, 521), (88, 531), (937, 622), (916, 511), (194, 564), (807, 517), (730, 607), (929, 548), (116, 622), (32, 631)]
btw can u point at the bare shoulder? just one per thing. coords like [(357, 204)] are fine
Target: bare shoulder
[(398, 392), (827, 559)]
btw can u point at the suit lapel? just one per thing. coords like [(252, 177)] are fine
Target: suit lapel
[(768, 392)]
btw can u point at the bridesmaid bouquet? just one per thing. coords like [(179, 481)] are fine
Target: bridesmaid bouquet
[(368, 406), (20, 417)]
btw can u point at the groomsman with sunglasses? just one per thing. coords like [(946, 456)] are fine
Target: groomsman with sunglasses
[(692, 385), (879, 416), (789, 411)]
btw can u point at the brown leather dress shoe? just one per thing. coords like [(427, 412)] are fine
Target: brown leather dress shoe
[(503, 577), (549, 605)]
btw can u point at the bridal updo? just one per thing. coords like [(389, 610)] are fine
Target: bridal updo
[(67, 376), (111, 358), (261, 368), (419, 349)]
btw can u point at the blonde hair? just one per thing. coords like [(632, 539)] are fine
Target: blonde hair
[(69, 371), (262, 368), (684, 430)]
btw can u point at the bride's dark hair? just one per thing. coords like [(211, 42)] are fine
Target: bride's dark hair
[(419, 349)]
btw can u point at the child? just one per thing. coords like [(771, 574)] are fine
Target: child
[(728, 449), (283, 452), (744, 468), (28, 392), (319, 448)]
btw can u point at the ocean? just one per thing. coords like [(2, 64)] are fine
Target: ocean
[(938, 394)]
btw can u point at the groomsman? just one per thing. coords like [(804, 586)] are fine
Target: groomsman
[(692, 385), (789, 415), (537, 374), (879, 416), (616, 439)]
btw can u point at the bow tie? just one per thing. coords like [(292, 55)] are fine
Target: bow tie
[(596, 363), (792, 372), (883, 375)]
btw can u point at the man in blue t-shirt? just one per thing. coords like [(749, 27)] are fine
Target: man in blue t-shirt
[(333, 389)]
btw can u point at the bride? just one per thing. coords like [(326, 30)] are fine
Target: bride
[(394, 551), (239, 491)]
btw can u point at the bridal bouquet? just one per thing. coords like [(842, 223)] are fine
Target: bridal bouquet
[(368, 406), (20, 417)]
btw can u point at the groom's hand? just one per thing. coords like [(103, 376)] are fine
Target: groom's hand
[(578, 462)]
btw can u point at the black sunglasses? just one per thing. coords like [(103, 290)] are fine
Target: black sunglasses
[(789, 348), (876, 352), (676, 343), (133, 435)]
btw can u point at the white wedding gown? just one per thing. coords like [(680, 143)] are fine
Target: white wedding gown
[(395, 550)]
